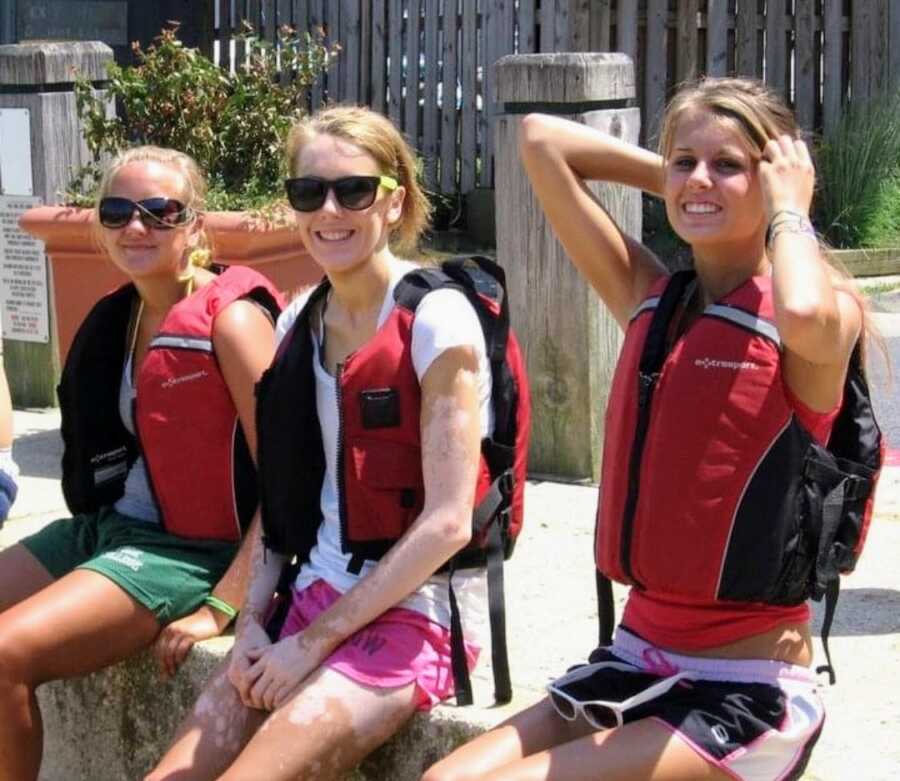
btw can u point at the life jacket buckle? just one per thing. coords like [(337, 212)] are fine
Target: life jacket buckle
[(646, 383)]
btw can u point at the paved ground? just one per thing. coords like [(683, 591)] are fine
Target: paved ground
[(552, 611)]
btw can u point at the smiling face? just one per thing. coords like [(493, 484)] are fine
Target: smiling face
[(137, 250), (340, 239), (712, 192)]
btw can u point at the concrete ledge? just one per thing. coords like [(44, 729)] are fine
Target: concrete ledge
[(869, 262), (114, 725)]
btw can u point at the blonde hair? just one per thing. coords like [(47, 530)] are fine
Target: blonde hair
[(193, 196), (378, 136), (759, 114)]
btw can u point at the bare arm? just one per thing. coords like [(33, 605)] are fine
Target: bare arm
[(450, 457), (244, 343), (559, 155), (818, 323)]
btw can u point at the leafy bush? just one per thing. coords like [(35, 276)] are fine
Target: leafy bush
[(858, 203), (233, 125)]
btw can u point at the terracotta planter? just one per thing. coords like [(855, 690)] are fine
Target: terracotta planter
[(82, 273)]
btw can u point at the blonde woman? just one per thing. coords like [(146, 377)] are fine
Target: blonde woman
[(158, 427), (371, 419), (708, 673)]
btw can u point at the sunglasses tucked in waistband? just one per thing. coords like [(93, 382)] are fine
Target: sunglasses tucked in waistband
[(308, 193), (571, 694)]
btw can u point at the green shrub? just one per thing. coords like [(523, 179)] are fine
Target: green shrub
[(858, 169), (883, 227), (233, 125)]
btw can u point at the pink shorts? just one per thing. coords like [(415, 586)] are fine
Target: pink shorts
[(397, 648)]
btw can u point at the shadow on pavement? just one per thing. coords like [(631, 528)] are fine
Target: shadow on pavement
[(863, 611), (39, 454)]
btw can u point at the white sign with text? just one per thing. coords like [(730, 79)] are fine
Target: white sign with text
[(23, 275)]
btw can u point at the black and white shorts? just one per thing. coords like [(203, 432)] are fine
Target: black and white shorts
[(755, 720)]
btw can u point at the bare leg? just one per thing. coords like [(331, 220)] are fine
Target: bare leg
[(76, 625), (532, 746), (324, 730), (21, 576), (212, 736)]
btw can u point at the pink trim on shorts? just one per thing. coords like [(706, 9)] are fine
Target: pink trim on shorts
[(399, 647), (646, 656)]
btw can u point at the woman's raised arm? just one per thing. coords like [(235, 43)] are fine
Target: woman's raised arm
[(559, 156)]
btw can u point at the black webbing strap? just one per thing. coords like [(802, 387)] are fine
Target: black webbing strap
[(827, 572), (458, 661), (497, 614), (489, 506), (494, 551), (652, 357), (606, 609), (831, 600)]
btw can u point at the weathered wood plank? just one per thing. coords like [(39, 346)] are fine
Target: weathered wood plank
[(378, 99), (299, 16), (717, 39), (431, 111), (894, 46), (316, 17), (745, 38), (562, 30), (833, 63), (776, 46), (627, 29), (224, 35), (468, 65), (351, 41), (337, 77), (687, 51), (526, 23), (449, 112), (395, 55), (268, 15), (656, 64), (580, 21), (488, 50), (601, 21), (365, 52), (412, 124), (805, 82)]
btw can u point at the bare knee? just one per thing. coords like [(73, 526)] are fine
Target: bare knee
[(17, 665)]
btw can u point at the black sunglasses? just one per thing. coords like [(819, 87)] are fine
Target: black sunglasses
[(158, 213), (308, 193)]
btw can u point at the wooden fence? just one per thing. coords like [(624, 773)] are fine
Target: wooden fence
[(426, 63)]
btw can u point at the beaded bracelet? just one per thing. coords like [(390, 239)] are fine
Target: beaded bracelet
[(222, 606), (789, 221)]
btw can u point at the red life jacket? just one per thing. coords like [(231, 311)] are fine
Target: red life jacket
[(379, 470), (712, 489), (189, 434)]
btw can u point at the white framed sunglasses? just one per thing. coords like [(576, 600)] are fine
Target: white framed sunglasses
[(604, 714)]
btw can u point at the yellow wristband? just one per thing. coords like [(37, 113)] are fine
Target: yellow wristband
[(222, 606)]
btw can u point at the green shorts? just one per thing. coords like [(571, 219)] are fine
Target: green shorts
[(170, 576)]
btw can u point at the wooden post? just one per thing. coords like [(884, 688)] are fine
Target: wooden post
[(38, 77), (570, 340)]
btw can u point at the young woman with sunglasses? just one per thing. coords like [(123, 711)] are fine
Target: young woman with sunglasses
[(158, 429), (366, 641), (694, 686)]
